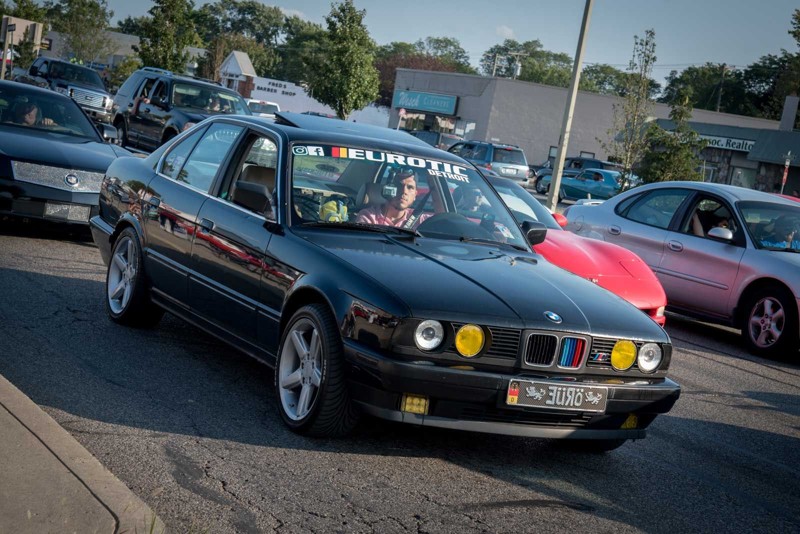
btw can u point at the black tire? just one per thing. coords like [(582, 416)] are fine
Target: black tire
[(127, 298), (318, 376), (592, 446), (769, 324), (540, 188)]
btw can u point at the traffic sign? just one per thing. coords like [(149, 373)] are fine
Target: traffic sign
[(402, 112), (11, 27)]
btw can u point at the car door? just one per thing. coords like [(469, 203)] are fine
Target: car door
[(228, 253), (151, 117), (697, 271), (136, 120), (642, 223)]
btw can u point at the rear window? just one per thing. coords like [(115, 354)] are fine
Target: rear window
[(513, 156), (261, 107)]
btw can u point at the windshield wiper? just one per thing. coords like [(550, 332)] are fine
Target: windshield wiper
[(378, 228), (492, 243)]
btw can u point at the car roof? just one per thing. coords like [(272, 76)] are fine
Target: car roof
[(310, 128), (496, 145), (732, 192), (185, 79)]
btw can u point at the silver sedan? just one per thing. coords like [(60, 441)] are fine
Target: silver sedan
[(724, 254)]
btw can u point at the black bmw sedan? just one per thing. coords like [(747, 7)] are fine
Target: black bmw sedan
[(339, 254), (52, 157)]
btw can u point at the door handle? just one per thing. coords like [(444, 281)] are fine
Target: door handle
[(130, 104), (614, 230), (206, 225), (146, 110), (675, 245), (154, 201)]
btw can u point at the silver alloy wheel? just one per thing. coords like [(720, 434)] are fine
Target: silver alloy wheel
[(121, 275), (300, 369), (766, 322)]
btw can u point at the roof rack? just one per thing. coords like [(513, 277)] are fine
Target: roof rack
[(160, 71)]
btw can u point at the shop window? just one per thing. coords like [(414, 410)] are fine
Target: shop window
[(553, 152), (587, 154)]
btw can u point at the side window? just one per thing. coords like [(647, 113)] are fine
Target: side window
[(480, 152), (130, 85), (147, 88), (656, 208), (458, 149), (177, 156), (203, 163), (159, 91), (706, 214), (258, 167), (43, 68)]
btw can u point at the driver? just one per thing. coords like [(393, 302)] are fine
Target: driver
[(398, 211), (784, 234), (27, 114)]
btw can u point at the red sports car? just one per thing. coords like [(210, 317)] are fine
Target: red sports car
[(610, 266)]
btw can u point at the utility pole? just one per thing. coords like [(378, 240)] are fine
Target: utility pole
[(517, 66), (721, 81), (558, 165), (494, 68)]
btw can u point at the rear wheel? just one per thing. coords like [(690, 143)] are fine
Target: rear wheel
[(310, 376), (540, 188), (127, 299), (770, 325)]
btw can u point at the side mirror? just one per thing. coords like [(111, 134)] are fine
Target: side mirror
[(535, 232), (109, 133), (561, 220), (252, 196), (724, 234)]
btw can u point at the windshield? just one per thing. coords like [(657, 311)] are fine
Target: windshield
[(336, 184), (208, 100), (514, 156), (36, 110), (772, 226), (74, 73), (261, 107), (523, 205)]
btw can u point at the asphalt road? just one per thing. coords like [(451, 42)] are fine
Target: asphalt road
[(192, 428)]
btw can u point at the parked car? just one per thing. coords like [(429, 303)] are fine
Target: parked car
[(589, 183), (52, 158), (80, 83), (710, 247), (610, 266), (263, 108), (155, 105), (437, 319), (572, 167), (438, 139), (506, 160)]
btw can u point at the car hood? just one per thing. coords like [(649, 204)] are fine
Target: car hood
[(607, 265), (61, 150), (466, 282)]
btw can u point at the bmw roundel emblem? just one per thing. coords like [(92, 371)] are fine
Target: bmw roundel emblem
[(71, 180), (556, 318)]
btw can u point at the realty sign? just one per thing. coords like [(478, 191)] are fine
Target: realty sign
[(727, 143)]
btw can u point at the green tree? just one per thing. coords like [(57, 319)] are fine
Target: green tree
[(708, 85), (673, 155), (249, 18), (167, 34), (396, 55), (346, 80), (131, 25), (448, 50), (628, 138), (26, 50), (788, 80), (303, 42), (83, 24), (28, 10)]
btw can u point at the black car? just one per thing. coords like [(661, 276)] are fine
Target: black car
[(80, 83), (155, 105), (507, 161), (52, 157), (338, 253)]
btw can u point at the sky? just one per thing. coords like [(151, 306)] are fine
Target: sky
[(687, 32)]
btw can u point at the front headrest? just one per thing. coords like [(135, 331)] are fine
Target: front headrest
[(259, 175)]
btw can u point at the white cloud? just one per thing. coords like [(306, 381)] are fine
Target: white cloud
[(505, 32)]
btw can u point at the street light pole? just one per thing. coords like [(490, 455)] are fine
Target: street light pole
[(558, 164)]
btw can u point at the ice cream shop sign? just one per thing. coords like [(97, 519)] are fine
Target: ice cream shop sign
[(429, 102)]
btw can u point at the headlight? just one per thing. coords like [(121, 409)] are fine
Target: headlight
[(188, 125), (470, 340), (429, 335), (649, 357), (623, 355)]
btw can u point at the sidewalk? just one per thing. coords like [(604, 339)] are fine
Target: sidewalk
[(50, 483)]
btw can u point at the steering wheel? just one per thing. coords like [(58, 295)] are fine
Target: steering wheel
[(453, 224)]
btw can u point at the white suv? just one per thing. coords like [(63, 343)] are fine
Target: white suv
[(263, 108)]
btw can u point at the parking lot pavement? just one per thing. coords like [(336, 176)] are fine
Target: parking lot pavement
[(50, 483)]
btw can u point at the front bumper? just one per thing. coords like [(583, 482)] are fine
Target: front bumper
[(468, 399), (33, 201), (101, 234)]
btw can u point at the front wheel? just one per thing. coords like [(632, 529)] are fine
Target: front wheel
[(540, 188), (770, 328), (310, 377), (127, 299)]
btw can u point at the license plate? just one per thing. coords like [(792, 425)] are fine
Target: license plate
[(509, 171), (569, 397)]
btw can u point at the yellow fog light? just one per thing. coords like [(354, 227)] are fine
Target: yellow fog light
[(623, 355), (414, 404), (631, 422), (469, 340)]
